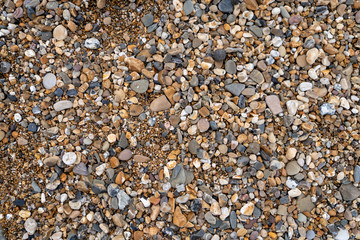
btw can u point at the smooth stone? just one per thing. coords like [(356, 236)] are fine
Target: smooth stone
[(140, 86), (292, 106), (210, 218), (5, 67), (147, 20), (188, 7), (357, 17), (357, 174), (69, 158), (305, 86), (292, 168), (49, 81), (30, 226), (273, 102), (327, 109), (226, 6), (284, 12), (62, 105), (230, 67), (81, 169), (92, 43), (349, 192), (233, 219), (305, 204), (310, 234), (51, 161), (312, 55), (342, 234), (180, 176), (256, 76), (193, 146), (256, 30), (219, 55), (235, 88), (160, 104), (60, 32), (123, 199), (203, 125), (295, 19), (125, 155)]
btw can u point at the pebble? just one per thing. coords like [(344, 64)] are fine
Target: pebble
[(349, 192), (292, 168), (60, 32), (92, 43), (188, 7), (49, 81), (312, 55), (357, 174), (30, 226), (62, 105), (273, 103), (69, 158), (327, 109), (226, 6), (235, 88), (147, 20), (140, 86), (219, 55), (160, 104), (5, 67)]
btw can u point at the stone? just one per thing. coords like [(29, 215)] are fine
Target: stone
[(295, 19), (62, 105), (125, 155), (327, 109), (219, 55), (60, 32), (291, 153), (230, 67), (342, 234), (292, 168), (235, 88), (160, 104), (251, 5), (123, 199), (292, 106), (188, 7), (69, 158), (273, 102), (100, 4), (256, 30), (148, 19), (81, 169), (349, 192), (312, 55), (140, 86), (180, 176), (357, 17), (49, 81), (92, 43), (247, 209), (357, 174), (51, 161), (30, 226), (135, 64), (210, 218), (5, 67), (305, 204), (226, 6), (203, 125), (305, 86), (179, 219), (256, 76)]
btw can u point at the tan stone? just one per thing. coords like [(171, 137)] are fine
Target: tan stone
[(179, 219)]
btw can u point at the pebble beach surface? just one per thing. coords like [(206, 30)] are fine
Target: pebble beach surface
[(179, 119)]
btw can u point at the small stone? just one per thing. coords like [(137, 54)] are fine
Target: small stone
[(179, 219), (295, 19), (312, 55), (219, 54), (81, 169), (226, 6), (273, 102), (125, 155), (357, 174), (148, 19), (251, 5), (357, 17), (100, 4), (92, 43), (124, 199), (247, 209), (349, 192), (30, 226), (235, 88), (60, 32), (305, 204), (230, 67), (111, 138), (305, 86), (342, 234), (210, 218), (203, 125), (135, 64), (63, 105), (51, 161), (256, 76), (327, 109), (69, 158), (5, 67), (188, 7), (49, 81), (160, 104), (292, 106), (292, 168), (291, 153), (140, 86)]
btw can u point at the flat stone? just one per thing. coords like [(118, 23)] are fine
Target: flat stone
[(140, 86), (69, 158), (295, 19), (230, 67), (305, 204), (226, 6), (60, 32), (123, 199), (256, 30), (148, 19), (92, 43), (5, 67), (160, 104), (203, 125), (188, 7), (292, 168), (135, 64), (30, 226), (273, 102), (357, 174), (125, 155), (251, 4), (256, 76), (51, 161), (49, 81), (312, 55), (235, 88), (349, 192), (81, 169), (219, 55), (247, 209), (63, 105)]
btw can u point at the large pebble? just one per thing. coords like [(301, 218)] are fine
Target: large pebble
[(273, 102), (63, 105), (30, 226), (49, 81), (312, 55), (92, 43), (160, 104), (60, 32), (69, 158)]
